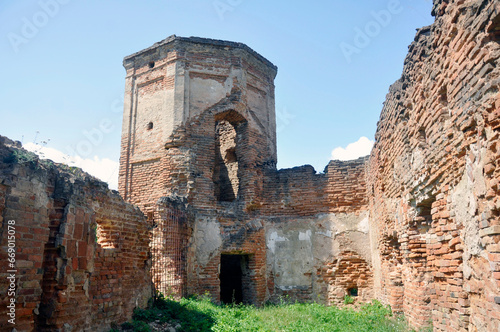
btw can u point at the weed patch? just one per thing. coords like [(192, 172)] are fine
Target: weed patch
[(201, 314)]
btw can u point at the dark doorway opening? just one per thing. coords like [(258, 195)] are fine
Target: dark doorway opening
[(233, 273)]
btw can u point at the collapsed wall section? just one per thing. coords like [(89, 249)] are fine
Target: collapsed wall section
[(81, 258), (318, 258), (311, 220), (300, 191), (433, 175), (199, 125), (285, 242)]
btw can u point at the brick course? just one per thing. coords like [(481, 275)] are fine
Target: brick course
[(215, 148), (82, 252), (416, 224), (433, 173)]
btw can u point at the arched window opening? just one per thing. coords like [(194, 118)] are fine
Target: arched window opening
[(226, 162)]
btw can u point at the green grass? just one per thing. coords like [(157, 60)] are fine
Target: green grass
[(200, 314)]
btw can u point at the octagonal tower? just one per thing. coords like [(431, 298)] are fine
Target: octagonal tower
[(198, 116)]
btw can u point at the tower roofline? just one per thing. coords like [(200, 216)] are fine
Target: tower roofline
[(206, 41)]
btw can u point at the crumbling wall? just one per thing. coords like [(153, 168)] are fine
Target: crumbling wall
[(168, 245), (81, 259), (215, 147), (348, 274), (289, 232), (433, 175), (226, 235), (301, 251), (329, 206), (311, 218), (300, 191)]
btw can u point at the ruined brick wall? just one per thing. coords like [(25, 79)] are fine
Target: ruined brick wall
[(310, 220), (168, 247), (226, 235), (81, 252), (300, 191), (433, 175), (329, 207), (347, 274), (199, 124)]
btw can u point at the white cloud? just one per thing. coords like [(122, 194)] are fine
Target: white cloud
[(104, 169), (360, 148)]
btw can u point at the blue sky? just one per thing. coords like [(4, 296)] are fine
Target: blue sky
[(62, 73)]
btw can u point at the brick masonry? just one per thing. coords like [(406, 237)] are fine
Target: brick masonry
[(433, 175), (416, 224), (81, 252), (426, 199), (213, 145)]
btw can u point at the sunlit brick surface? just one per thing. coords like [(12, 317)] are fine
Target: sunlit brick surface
[(204, 144), (82, 252), (433, 175)]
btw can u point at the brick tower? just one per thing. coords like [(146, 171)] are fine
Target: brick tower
[(199, 158), (198, 135), (198, 112)]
